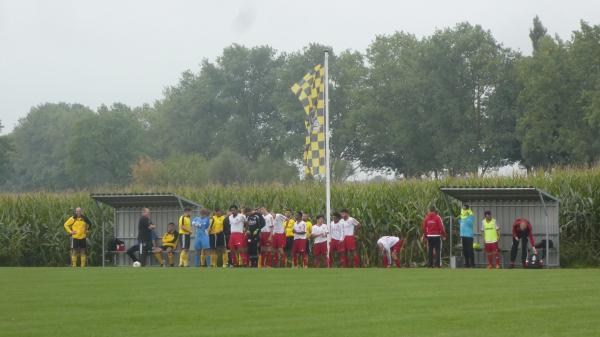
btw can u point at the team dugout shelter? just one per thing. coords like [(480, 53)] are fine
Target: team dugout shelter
[(508, 204), (164, 208)]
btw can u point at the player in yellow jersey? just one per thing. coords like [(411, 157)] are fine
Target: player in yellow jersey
[(217, 238), (78, 226), (306, 219), (169, 243), (289, 235), (185, 231)]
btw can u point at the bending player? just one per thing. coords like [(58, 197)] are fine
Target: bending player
[(389, 247)]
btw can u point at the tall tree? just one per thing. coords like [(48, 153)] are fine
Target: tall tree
[(536, 33)]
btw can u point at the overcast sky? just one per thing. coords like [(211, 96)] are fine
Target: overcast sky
[(94, 52)]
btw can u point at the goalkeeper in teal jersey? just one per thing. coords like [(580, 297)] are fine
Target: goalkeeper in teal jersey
[(202, 244)]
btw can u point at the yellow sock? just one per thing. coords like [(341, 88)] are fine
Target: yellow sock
[(83, 258), (183, 258), (213, 259), (225, 259), (73, 260), (159, 258), (202, 258), (170, 258)]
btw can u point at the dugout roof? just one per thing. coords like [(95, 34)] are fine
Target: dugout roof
[(524, 193), (119, 200)]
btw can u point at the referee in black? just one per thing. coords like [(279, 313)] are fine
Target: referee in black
[(144, 244)]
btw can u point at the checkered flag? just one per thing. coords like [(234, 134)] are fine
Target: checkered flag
[(310, 92)]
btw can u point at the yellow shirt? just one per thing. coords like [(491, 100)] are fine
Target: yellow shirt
[(185, 225), (289, 227), (77, 225), (170, 239), (216, 224), (308, 229)]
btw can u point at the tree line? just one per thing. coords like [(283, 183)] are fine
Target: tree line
[(455, 102)]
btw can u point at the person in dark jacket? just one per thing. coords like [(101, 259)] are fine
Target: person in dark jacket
[(433, 233), (255, 223), (144, 244), (522, 232)]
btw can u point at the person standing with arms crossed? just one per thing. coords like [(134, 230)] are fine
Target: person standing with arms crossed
[(466, 221), (319, 236), (491, 236), (237, 239), (350, 225), (78, 226), (433, 233), (185, 231)]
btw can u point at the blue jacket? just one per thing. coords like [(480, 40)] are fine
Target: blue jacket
[(201, 224), (466, 221)]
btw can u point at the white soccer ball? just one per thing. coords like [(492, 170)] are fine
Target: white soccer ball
[(137, 264)]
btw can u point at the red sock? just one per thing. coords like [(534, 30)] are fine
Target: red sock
[(263, 259), (234, 258), (398, 263), (330, 260), (356, 261), (276, 259), (284, 260), (244, 257), (269, 255), (490, 258), (343, 261), (304, 260), (497, 258), (385, 261)]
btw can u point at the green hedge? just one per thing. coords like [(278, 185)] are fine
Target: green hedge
[(31, 232)]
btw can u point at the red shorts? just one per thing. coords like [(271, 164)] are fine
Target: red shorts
[(237, 240), (264, 239), (396, 248), (299, 246), (349, 243), (336, 245), (491, 247), (320, 249), (278, 241)]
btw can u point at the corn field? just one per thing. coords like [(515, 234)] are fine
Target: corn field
[(32, 234)]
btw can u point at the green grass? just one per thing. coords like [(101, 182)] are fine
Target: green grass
[(247, 302)]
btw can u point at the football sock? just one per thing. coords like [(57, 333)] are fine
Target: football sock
[(385, 260), (170, 258), (490, 259), (356, 261), (73, 260), (213, 259), (83, 258), (225, 258), (269, 257), (207, 260), (305, 260), (398, 263), (159, 258)]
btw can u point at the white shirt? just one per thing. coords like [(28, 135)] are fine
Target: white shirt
[(269, 223), (388, 241), (337, 230), (300, 227), (279, 224), (317, 230), (349, 225), (237, 223)]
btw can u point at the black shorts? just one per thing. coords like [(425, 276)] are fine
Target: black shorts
[(217, 240), (78, 243), (185, 241), (289, 242)]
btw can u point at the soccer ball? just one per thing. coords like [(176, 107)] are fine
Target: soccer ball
[(137, 264)]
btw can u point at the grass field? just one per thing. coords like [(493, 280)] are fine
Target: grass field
[(148, 302)]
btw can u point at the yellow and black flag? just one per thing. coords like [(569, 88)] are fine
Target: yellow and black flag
[(311, 93)]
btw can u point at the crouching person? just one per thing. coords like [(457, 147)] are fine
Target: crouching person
[(389, 247), (169, 243)]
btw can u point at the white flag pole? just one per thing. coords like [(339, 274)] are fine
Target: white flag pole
[(327, 170)]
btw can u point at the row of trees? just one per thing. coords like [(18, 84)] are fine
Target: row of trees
[(454, 102)]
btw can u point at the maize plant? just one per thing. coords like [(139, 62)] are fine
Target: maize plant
[(32, 234)]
